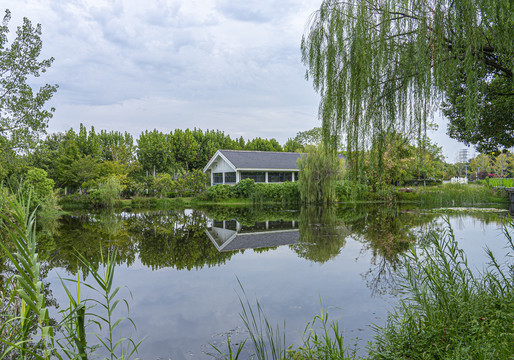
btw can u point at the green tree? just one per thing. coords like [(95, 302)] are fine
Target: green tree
[(480, 164), (163, 184), (196, 181), (309, 137), (319, 170), (502, 164), (259, 144), (495, 124), (154, 151), (22, 114), (107, 193), (292, 145), (185, 148), (382, 65), (39, 185)]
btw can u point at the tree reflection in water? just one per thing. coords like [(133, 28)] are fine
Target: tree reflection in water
[(177, 238), (322, 234)]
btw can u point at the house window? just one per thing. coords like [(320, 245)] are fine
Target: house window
[(230, 177), (295, 176), (257, 176), (279, 176), (217, 178)]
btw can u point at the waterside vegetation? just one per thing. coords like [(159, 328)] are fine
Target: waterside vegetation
[(27, 330), (450, 311)]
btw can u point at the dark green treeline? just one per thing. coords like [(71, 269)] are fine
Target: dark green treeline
[(81, 159)]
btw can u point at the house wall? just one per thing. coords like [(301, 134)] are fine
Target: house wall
[(221, 166)]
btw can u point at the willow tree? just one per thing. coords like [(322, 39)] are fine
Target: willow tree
[(382, 66), (319, 169)]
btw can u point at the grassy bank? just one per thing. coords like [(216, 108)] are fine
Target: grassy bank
[(452, 195), (287, 194)]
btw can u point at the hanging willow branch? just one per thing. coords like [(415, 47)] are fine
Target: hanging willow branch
[(381, 66)]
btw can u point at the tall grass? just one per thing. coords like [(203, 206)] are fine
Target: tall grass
[(454, 195), (26, 328), (322, 339), (451, 312), (269, 341)]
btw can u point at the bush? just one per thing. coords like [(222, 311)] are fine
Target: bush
[(107, 194), (220, 192), (38, 184), (138, 202), (285, 193), (451, 313), (351, 190), (244, 188)]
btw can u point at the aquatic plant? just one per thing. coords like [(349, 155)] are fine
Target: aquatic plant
[(24, 309), (451, 311)]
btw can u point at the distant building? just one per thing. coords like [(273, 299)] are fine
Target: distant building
[(232, 166), (459, 180), (463, 155)]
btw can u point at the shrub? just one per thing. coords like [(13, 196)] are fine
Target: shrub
[(451, 312), (244, 188), (220, 192), (107, 193), (38, 184), (351, 190)]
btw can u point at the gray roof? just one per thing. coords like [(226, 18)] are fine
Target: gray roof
[(262, 159)]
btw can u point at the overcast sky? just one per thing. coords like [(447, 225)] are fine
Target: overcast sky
[(132, 65)]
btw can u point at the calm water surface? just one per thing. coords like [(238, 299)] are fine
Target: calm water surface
[(183, 268)]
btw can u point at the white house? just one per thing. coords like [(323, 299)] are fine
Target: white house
[(232, 166)]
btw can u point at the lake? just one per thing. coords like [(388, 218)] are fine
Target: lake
[(185, 268)]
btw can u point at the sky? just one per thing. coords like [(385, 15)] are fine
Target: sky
[(132, 65)]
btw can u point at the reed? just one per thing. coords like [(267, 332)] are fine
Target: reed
[(23, 310), (30, 314), (323, 339), (269, 341), (454, 195), (452, 312)]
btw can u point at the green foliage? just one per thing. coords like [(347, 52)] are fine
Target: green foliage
[(101, 312), (269, 341), (139, 202), (319, 170), (282, 193), (33, 314), (495, 120), (196, 181), (22, 114), (163, 184), (38, 185), (382, 65), (451, 312), (309, 137), (220, 192), (25, 316), (497, 182), (107, 193), (323, 339), (244, 188), (259, 144), (154, 152), (454, 195), (348, 190)]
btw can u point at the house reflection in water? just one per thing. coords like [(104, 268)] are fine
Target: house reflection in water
[(231, 235)]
